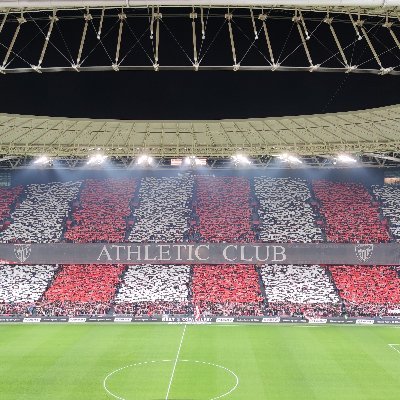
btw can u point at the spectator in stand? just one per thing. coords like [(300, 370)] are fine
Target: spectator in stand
[(227, 290), (101, 213), (302, 289), (285, 210), (349, 212), (163, 212), (368, 291), (389, 196), (40, 218), (222, 205)]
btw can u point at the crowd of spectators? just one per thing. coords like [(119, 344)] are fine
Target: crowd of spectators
[(350, 213), (101, 213), (24, 283), (8, 197), (368, 290), (389, 197), (24, 309), (303, 284), (71, 308), (285, 211), (157, 307), (225, 289), (146, 283), (163, 212), (41, 216), (85, 283), (222, 206), (313, 310)]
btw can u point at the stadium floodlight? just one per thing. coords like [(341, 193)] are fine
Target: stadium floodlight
[(240, 159), (193, 161), (42, 160), (97, 159), (145, 160), (345, 158), (290, 158)]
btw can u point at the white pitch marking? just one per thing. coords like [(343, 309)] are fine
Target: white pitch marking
[(156, 361), (176, 361), (394, 348), (120, 369), (226, 369)]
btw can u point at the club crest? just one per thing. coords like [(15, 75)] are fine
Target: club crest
[(22, 251), (364, 251)]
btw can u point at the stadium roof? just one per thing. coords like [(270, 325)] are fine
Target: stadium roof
[(369, 131)]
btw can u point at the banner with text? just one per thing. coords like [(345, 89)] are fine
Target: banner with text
[(202, 253)]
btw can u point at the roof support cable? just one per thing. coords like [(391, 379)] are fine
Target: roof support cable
[(383, 71), (88, 17), (203, 30), (355, 26), (388, 25), (101, 23), (193, 16), (158, 16), (122, 18), (263, 18), (304, 25), (328, 20), (296, 18), (53, 18), (228, 17), (21, 20), (152, 24), (253, 23), (4, 20)]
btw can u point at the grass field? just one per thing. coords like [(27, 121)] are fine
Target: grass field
[(198, 362)]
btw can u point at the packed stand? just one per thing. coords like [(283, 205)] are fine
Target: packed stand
[(300, 289), (82, 289), (163, 211), (102, 211), (285, 211), (41, 216), (8, 197), (227, 290), (389, 197), (350, 213), (154, 289), (222, 206), (24, 283), (368, 291)]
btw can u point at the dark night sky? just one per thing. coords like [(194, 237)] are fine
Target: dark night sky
[(190, 95)]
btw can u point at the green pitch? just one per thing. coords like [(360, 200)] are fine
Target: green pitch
[(154, 361)]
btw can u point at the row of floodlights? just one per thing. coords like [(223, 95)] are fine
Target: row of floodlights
[(340, 158), (146, 160), (193, 161)]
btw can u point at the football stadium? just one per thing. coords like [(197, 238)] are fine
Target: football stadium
[(200, 200)]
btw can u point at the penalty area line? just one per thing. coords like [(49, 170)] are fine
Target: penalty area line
[(176, 362)]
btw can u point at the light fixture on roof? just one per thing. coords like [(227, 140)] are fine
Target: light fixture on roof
[(290, 158), (345, 158), (240, 159), (193, 161), (145, 160), (97, 159), (43, 160)]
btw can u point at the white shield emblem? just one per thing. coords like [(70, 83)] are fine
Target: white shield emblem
[(22, 251), (364, 251)]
